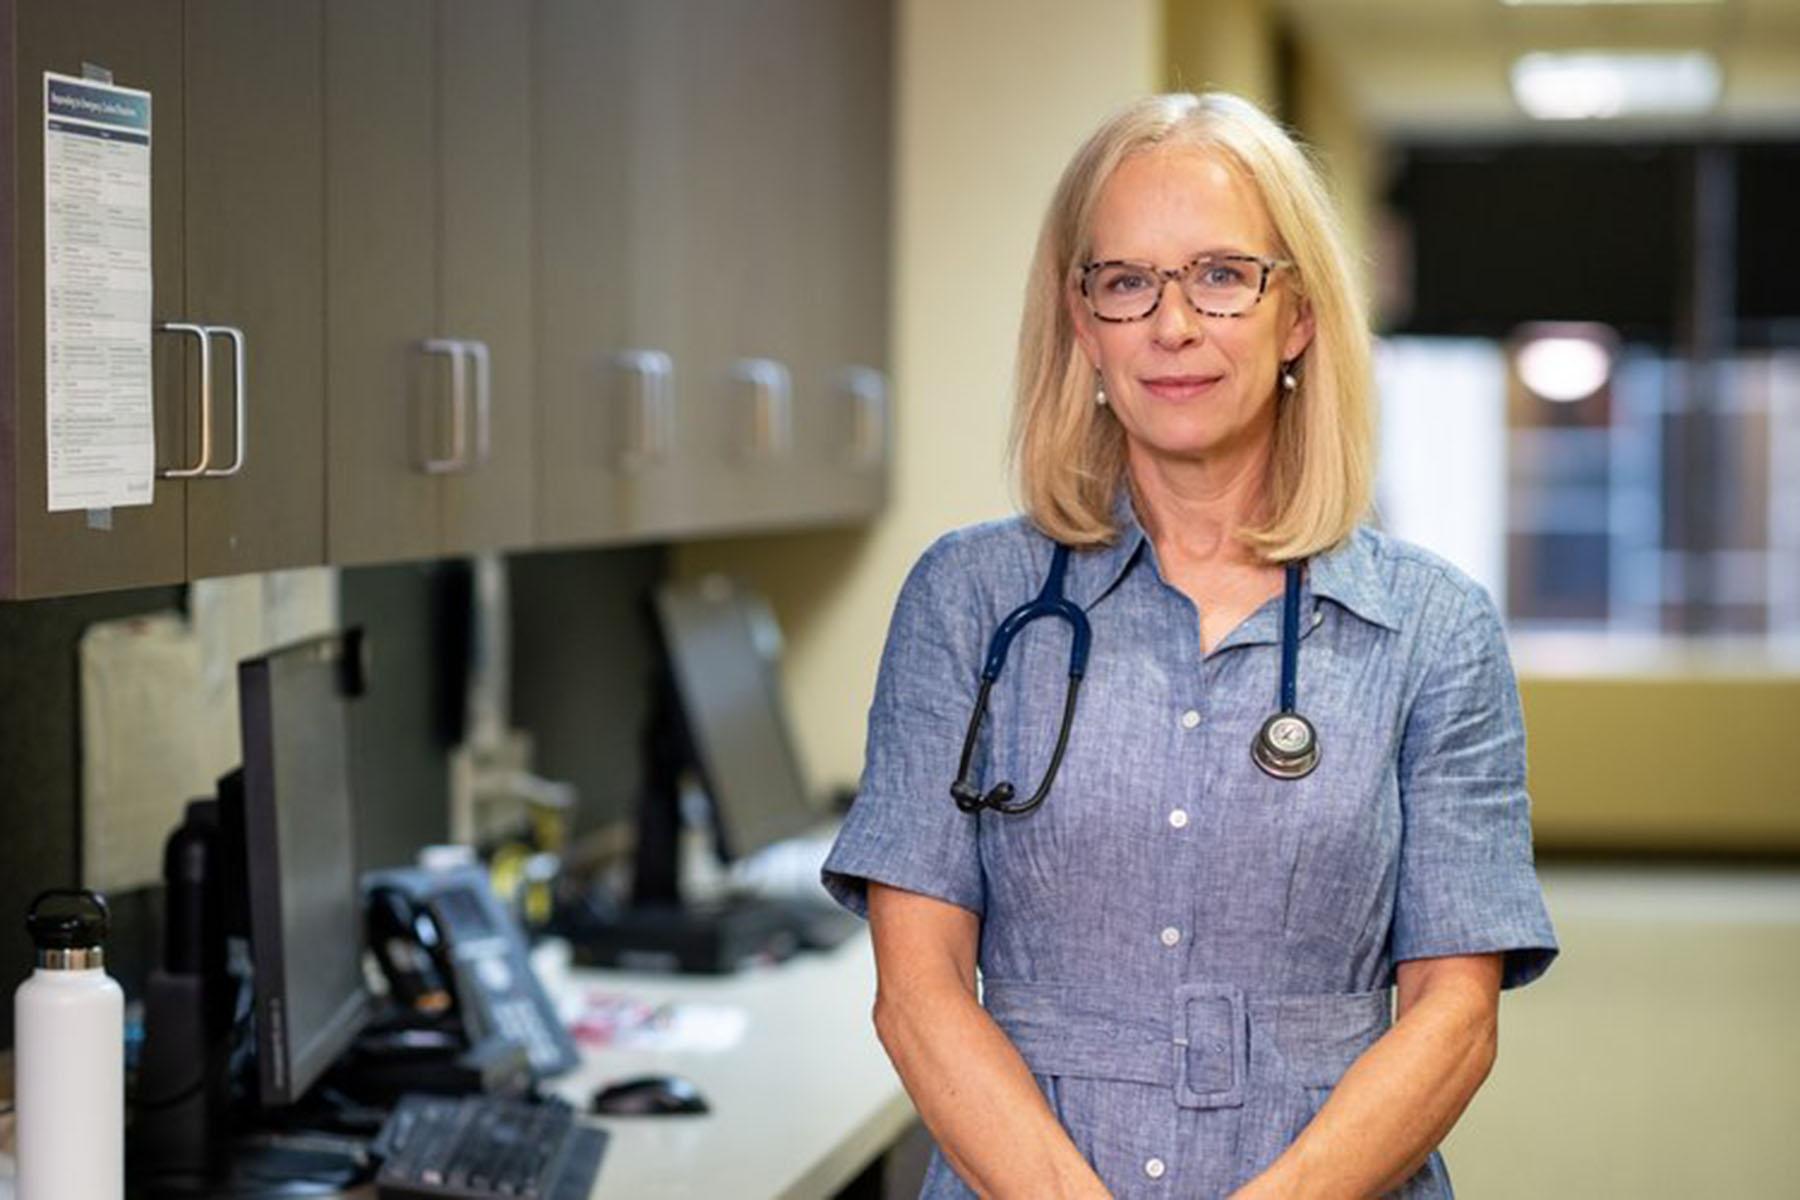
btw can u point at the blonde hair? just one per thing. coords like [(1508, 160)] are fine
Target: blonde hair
[(1070, 454)]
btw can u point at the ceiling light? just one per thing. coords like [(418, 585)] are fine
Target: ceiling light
[(1564, 367), (1598, 84)]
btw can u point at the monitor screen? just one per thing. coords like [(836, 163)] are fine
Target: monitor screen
[(305, 918), (723, 647)]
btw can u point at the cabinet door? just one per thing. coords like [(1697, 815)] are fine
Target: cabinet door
[(58, 553), (387, 401), (672, 447), (485, 259), (255, 260), (733, 197), (866, 453), (584, 291), (846, 438)]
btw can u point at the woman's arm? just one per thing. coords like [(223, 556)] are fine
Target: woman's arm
[(1400, 1098), (968, 1082)]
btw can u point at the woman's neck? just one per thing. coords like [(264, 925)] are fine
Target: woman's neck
[(1193, 510)]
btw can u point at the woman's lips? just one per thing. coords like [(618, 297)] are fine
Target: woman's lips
[(1179, 387)]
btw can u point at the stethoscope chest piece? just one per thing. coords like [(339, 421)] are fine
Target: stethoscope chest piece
[(1287, 746)]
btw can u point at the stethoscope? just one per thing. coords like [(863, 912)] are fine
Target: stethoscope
[(1286, 747)]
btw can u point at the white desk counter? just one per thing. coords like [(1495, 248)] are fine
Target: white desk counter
[(800, 1104)]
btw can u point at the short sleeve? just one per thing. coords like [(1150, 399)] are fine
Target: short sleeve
[(903, 829), (1467, 882)]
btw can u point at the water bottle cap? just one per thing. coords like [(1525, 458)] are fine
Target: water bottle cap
[(67, 919)]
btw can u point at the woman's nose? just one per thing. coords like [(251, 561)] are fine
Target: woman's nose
[(1175, 323)]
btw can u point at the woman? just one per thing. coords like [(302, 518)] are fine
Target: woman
[(1186, 949)]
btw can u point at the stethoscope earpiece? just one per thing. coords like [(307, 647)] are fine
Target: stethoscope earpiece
[(966, 797), (970, 800)]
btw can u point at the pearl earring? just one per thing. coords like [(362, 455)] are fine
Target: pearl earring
[(1288, 380), (1099, 391)]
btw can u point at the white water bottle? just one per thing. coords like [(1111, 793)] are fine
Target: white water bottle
[(69, 1057)]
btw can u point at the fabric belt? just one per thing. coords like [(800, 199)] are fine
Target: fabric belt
[(1204, 1040)]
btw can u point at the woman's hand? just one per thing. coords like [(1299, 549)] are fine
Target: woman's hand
[(1401, 1097), (974, 1091)]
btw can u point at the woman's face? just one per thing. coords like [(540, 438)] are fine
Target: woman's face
[(1186, 386)]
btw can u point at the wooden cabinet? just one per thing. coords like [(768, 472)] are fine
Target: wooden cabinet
[(844, 184), (502, 275), (592, 268), (485, 289), (235, 226), (721, 367), (741, 227), (254, 230), (782, 126), (428, 292), (52, 553), (386, 398)]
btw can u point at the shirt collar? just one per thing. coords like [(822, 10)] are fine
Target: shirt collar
[(1104, 565), (1348, 574)]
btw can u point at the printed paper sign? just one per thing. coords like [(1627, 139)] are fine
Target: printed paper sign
[(99, 430)]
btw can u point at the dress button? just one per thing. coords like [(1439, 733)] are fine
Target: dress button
[(1178, 818), (1155, 1168), (1170, 936), (1190, 719)]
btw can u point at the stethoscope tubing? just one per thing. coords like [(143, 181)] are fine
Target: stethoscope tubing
[(1290, 637), (1050, 602), (1286, 747)]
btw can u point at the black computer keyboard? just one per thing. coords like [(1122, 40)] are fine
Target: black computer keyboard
[(477, 1147)]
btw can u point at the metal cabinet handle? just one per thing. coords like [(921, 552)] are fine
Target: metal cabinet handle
[(484, 398), (199, 334), (453, 349), (239, 403), (772, 411), (650, 420), (868, 392)]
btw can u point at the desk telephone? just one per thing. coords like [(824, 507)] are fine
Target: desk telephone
[(449, 948)]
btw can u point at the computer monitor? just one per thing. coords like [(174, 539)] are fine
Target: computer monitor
[(722, 646), (264, 877), (716, 713), (299, 857)]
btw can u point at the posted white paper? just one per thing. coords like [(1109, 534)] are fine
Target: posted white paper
[(146, 745), (159, 710), (99, 432)]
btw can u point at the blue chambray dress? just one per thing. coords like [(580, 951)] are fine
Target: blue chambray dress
[(1187, 952)]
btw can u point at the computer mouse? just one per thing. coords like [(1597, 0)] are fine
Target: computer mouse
[(649, 1096)]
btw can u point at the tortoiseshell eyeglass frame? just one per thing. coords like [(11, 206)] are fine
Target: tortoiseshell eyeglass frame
[(1167, 275)]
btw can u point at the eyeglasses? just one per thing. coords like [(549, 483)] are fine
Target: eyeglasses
[(1216, 285)]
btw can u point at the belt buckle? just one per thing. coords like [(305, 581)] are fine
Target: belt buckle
[(1215, 1040)]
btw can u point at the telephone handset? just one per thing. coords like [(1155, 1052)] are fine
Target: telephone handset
[(410, 951), (446, 944)]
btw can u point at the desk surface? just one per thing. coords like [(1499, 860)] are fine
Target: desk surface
[(800, 1105)]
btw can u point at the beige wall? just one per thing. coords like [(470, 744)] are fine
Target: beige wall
[(1230, 45), (1329, 119), (991, 98), (1220, 45)]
